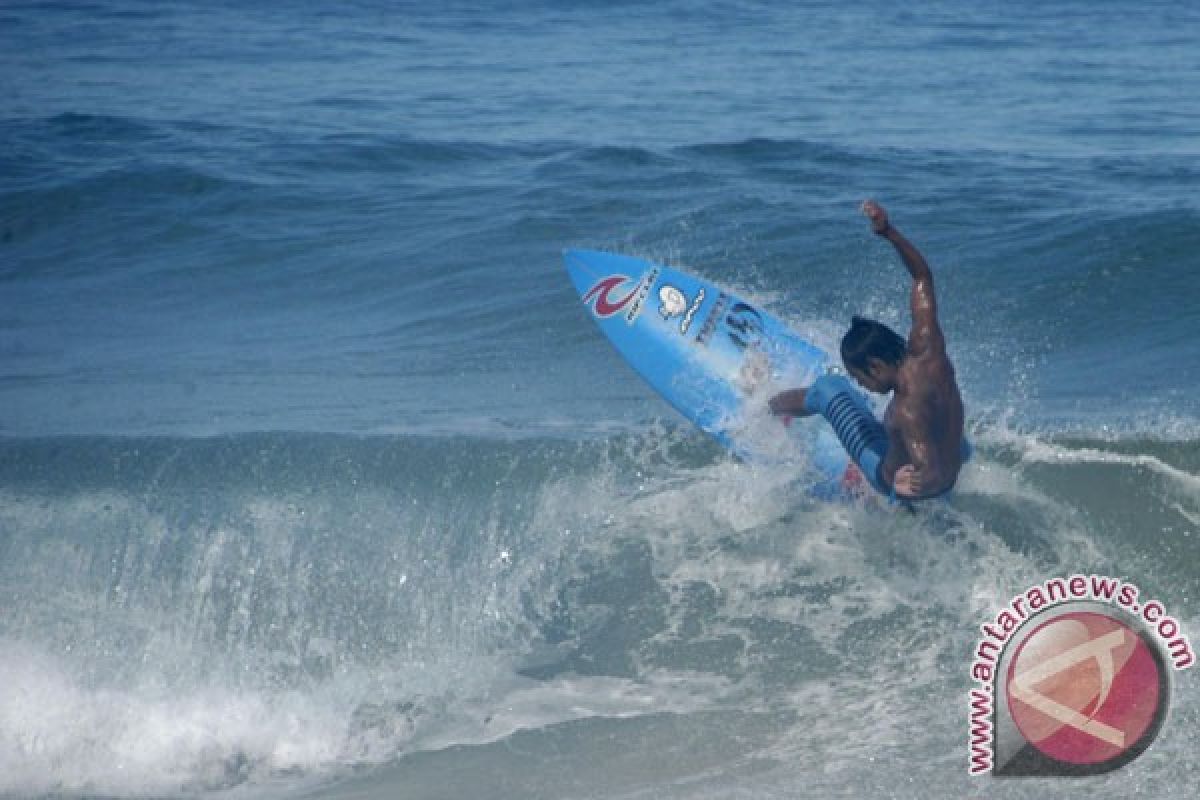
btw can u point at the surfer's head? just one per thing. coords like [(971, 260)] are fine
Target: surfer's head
[(872, 353)]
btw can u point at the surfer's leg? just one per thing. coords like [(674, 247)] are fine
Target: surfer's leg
[(791, 402), (860, 433)]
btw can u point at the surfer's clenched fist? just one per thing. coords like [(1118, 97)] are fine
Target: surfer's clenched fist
[(878, 217)]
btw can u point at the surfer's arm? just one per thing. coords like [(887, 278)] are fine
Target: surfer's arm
[(926, 332), (893, 459)]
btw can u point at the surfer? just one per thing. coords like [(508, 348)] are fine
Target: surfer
[(920, 449)]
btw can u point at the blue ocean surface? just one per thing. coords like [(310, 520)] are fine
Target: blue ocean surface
[(317, 481)]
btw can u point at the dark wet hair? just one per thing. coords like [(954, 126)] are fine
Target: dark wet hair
[(870, 339)]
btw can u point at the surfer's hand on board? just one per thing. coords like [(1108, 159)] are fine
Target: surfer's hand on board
[(878, 217), (907, 482)]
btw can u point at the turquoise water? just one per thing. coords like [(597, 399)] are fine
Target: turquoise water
[(317, 481)]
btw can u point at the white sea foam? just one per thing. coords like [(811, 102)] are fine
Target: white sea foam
[(58, 734), (711, 586)]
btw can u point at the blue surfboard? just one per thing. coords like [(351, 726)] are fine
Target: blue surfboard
[(713, 356)]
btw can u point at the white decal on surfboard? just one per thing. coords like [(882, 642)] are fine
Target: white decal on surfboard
[(671, 301), (639, 301), (691, 314), (710, 324)]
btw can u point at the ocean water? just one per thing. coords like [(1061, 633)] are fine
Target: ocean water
[(316, 480)]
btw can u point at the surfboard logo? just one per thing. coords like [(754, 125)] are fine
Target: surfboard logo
[(674, 303), (691, 313), (710, 324), (605, 304), (600, 296), (671, 301), (744, 325)]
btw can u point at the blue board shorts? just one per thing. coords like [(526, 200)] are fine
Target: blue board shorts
[(845, 408)]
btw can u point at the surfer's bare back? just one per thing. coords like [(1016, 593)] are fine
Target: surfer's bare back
[(924, 421)]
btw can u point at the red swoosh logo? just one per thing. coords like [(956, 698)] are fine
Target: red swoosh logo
[(605, 306)]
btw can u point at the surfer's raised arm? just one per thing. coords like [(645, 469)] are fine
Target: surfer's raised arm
[(918, 450), (926, 332)]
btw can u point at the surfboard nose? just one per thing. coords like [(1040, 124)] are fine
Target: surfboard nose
[(577, 268), (588, 266), (575, 256)]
